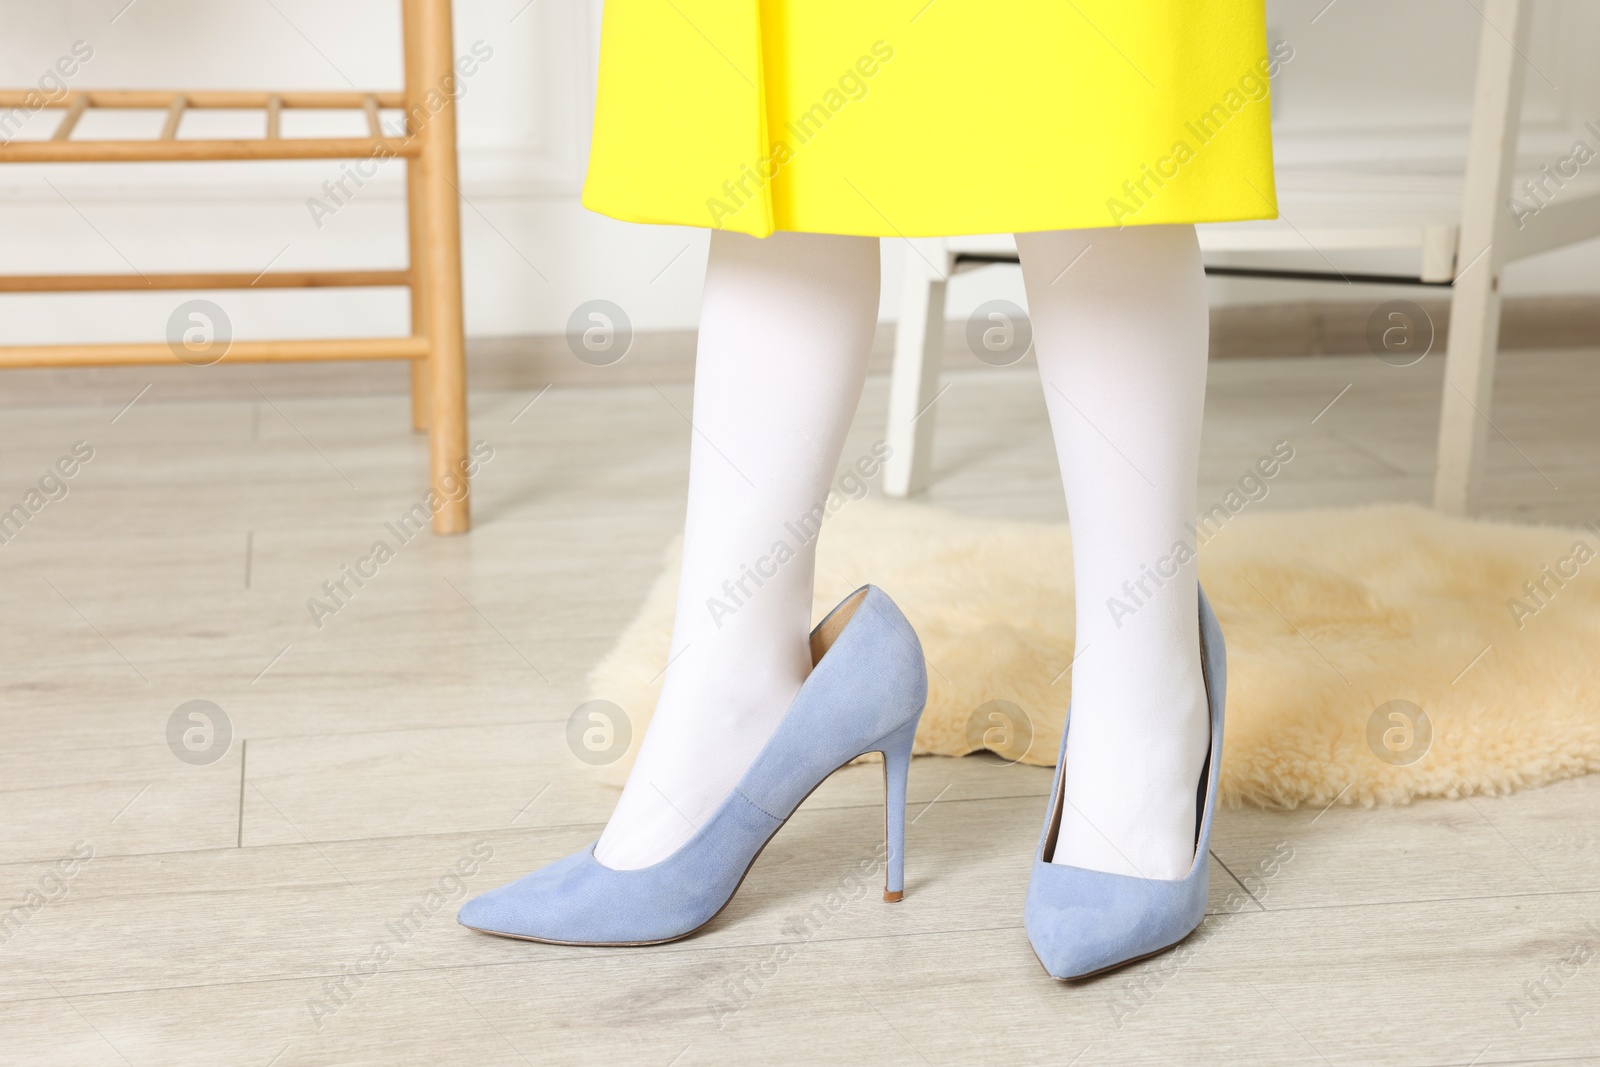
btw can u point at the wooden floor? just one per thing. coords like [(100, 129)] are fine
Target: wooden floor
[(293, 901)]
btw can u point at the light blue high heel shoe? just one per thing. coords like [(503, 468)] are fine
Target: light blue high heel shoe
[(1084, 922), (865, 693)]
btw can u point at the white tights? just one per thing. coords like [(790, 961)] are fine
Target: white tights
[(786, 325)]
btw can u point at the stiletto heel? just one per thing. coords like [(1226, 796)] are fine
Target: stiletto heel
[(865, 693), (896, 769), (1082, 922)]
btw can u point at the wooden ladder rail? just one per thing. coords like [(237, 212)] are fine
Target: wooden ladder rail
[(435, 347)]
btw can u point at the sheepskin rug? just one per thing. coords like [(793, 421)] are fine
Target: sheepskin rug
[(1374, 655)]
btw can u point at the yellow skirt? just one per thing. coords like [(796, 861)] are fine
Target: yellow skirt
[(932, 117)]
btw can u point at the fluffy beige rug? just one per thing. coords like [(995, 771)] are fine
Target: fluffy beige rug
[(1340, 624)]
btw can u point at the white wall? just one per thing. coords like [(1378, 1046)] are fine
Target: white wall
[(1373, 83)]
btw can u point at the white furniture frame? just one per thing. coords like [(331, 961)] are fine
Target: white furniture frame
[(1467, 254)]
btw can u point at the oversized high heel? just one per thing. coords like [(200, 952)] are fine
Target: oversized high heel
[(896, 749), (865, 693), (1082, 922)]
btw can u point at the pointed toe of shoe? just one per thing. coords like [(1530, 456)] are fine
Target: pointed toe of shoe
[(494, 912), (578, 901), (540, 906), (1082, 922), (1073, 942), (482, 912)]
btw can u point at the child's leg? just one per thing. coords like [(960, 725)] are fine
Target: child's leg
[(785, 328), (1122, 337)]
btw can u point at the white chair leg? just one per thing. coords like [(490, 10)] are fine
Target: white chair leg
[(914, 379), (1481, 257)]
